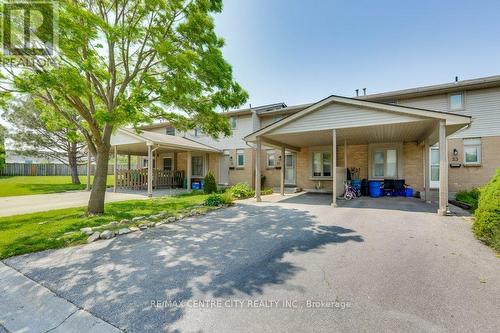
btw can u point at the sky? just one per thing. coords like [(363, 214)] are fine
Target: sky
[(298, 51)]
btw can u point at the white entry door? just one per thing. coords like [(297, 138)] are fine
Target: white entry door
[(224, 169), (434, 165), (290, 169)]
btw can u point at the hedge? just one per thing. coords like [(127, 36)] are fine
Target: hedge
[(487, 215)]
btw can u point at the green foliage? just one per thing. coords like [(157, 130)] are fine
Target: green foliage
[(487, 222), (213, 200), (59, 228), (266, 191), (226, 198), (469, 197), (241, 191), (2, 146), (210, 185)]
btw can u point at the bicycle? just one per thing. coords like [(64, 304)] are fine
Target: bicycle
[(350, 192)]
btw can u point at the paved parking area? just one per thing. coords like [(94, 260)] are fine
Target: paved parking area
[(292, 264)]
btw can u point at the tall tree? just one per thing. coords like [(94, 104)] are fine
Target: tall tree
[(36, 134), (128, 62)]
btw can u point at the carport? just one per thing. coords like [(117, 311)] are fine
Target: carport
[(323, 134)]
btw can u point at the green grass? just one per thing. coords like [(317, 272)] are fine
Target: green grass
[(27, 185), (60, 228)]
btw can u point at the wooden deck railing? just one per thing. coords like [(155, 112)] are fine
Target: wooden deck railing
[(138, 179)]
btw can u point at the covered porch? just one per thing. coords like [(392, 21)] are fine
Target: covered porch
[(165, 162), (382, 141)]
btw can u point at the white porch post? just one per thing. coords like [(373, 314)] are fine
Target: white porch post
[(188, 171), (443, 169), (334, 168), (150, 171), (257, 170), (89, 156), (427, 181), (115, 168), (282, 173)]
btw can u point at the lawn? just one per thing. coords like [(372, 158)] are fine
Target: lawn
[(27, 185), (60, 228)]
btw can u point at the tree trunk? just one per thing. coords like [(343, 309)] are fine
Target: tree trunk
[(97, 195), (73, 163)]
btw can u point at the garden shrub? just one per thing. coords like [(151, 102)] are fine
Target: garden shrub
[(226, 198), (213, 200), (241, 191), (210, 186), (266, 191), (487, 223), (469, 197)]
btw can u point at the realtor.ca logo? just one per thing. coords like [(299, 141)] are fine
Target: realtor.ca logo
[(28, 28)]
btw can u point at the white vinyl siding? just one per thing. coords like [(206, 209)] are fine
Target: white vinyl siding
[(482, 104), (342, 116)]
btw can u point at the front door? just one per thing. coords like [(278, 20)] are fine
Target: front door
[(290, 168), (224, 168), (434, 165)]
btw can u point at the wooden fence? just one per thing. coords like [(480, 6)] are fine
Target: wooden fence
[(138, 179), (51, 169)]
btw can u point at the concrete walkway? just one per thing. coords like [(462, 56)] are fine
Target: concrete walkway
[(27, 306), (43, 202)]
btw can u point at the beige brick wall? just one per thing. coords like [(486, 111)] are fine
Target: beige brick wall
[(273, 176), (469, 177), (243, 174), (413, 164)]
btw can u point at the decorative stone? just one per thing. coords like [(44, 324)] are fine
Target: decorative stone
[(93, 237), (151, 224), (113, 224), (138, 218), (157, 224), (124, 221), (133, 229), (87, 231), (107, 234), (143, 226), (123, 231), (171, 219)]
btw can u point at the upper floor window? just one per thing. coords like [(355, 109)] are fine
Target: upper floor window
[(472, 151), (271, 158), (170, 130), (233, 122), (456, 101)]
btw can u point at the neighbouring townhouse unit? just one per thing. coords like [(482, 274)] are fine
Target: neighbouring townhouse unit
[(440, 139)]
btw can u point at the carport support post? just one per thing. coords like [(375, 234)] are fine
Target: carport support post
[(257, 170), (282, 173), (427, 171), (443, 170), (188, 171), (334, 168), (115, 168), (150, 171)]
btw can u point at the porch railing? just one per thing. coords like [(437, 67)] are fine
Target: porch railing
[(138, 179)]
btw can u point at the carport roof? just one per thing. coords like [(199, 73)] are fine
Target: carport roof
[(128, 140), (373, 114)]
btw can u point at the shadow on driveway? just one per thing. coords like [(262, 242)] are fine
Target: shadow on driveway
[(227, 252)]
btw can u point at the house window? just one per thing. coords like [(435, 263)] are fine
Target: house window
[(232, 121), (385, 163), (170, 130), (456, 101), (322, 164), (167, 164), (240, 158), (197, 166), (271, 158), (472, 151)]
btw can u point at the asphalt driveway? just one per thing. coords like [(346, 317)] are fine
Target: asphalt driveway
[(294, 265)]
